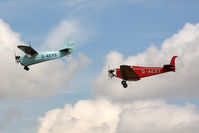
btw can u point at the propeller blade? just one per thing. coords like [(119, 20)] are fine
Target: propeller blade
[(110, 72), (17, 58)]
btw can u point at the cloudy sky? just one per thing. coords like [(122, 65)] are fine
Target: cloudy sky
[(73, 94)]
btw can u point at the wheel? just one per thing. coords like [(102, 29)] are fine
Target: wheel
[(125, 85), (26, 68), (123, 82)]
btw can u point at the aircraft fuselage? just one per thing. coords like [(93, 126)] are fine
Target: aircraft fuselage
[(27, 60)]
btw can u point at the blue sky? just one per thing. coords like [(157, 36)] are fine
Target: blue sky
[(127, 26)]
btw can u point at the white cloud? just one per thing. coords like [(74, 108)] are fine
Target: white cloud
[(66, 30), (169, 85), (42, 80), (86, 116), (101, 116), (158, 116)]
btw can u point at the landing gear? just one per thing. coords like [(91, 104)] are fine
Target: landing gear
[(124, 83), (26, 68)]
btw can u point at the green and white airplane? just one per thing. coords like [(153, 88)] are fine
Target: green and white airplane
[(32, 57)]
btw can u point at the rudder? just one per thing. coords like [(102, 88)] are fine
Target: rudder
[(173, 60), (171, 66)]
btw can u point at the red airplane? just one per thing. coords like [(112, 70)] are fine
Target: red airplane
[(135, 73)]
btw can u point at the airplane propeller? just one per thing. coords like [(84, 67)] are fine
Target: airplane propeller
[(110, 73), (17, 58)]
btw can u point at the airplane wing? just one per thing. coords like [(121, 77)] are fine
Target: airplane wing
[(128, 73), (27, 49)]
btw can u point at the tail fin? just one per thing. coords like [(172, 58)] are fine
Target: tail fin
[(68, 46), (171, 66), (173, 60)]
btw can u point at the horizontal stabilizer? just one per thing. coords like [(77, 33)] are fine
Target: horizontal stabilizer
[(169, 67), (68, 47)]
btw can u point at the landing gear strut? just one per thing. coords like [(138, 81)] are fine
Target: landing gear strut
[(124, 83), (26, 68)]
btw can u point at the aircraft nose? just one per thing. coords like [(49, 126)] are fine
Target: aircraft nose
[(17, 58), (112, 73)]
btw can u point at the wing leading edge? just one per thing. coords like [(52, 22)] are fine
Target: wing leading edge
[(28, 50)]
